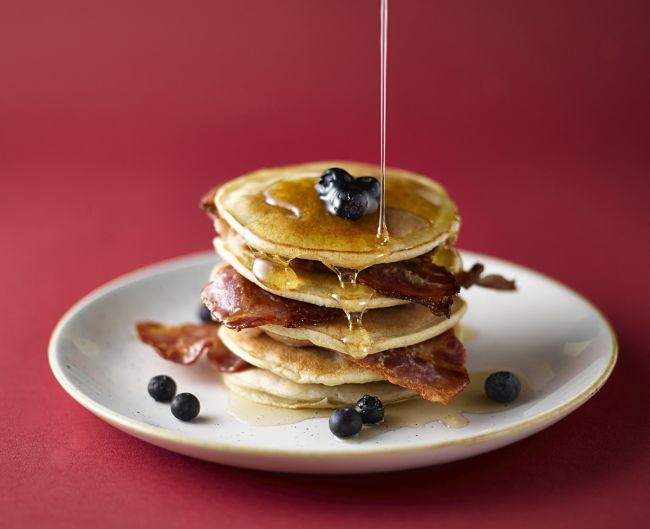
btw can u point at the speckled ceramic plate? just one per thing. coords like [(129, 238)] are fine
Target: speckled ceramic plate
[(554, 338)]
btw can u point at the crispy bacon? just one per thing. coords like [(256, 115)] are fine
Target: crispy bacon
[(417, 280), (435, 368), (467, 278), (225, 361), (470, 277), (184, 344), (239, 304), (207, 202)]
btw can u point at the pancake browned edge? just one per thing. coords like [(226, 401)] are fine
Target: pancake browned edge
[(276, 233)]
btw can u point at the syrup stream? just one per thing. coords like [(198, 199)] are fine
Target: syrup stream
[(382, 230)]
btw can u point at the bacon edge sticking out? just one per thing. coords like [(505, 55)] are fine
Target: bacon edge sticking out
[(435, 368), (240, 304), (417, 280), (207, 202), (472, 276), (224, 360), (184, 344)]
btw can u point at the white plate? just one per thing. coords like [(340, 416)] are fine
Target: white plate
[(556, 339)]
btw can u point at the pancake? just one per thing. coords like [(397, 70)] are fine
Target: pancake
[(383, 329), (278, 212), (310, 284), (264, 387), (303, 365)]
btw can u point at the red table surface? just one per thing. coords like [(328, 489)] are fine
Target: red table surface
[(116, 116)]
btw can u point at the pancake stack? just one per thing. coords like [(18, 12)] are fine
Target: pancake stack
[(323, 311)]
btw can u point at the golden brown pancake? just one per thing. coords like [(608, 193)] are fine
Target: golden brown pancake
[(311, 286), (300, 364), (383, 329), (316, 285), (277, 211)]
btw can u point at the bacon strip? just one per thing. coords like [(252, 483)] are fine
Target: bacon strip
[(472, 276), (434, 368), (184, 344), (240, 304), (417, 280)]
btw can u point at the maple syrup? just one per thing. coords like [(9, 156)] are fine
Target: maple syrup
[(383, 234), (274, 271), (413, 214)]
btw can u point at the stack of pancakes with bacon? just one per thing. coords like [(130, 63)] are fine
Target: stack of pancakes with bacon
[(317, 310)]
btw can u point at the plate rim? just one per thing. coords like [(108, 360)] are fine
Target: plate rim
[(148, 431)]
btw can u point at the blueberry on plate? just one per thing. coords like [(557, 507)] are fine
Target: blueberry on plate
[(371, 409), (204, 314), (162, 388), (502, 386), (350, 203), (185, 406), (333, 177), (345, 422)]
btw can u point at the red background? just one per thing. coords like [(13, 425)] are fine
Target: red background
[(116, 116)]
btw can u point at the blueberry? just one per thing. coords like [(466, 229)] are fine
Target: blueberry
[(204, 314), (371, 409), (185, 406), (372, 189), (346, 196), (370, 185), (350, 203), (333, 177), (345, 422), (162, 388), (502, 386)]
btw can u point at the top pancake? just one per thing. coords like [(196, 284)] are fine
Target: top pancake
[(278, 212)]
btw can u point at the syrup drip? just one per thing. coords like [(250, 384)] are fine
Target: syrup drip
[(351, 297), (274, 271)]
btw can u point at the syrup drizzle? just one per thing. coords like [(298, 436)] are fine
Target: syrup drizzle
[(274, 271), (358, 340), (353, 300), (382, 230)]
